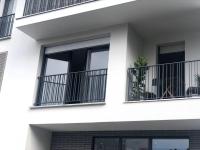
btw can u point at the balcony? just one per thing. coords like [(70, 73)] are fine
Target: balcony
[(72, 88), (86, 15), (6, 25), (33, 7), (164, 81)]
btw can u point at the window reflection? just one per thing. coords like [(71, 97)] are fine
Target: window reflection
[(55, 66), (99, 60), (170, 144)]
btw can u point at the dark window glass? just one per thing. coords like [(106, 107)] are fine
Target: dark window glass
[(170, 144), (106, 144), (135, 144)]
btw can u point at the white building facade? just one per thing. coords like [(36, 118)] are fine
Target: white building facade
[(69, 81)]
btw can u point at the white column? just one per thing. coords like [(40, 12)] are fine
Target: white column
[(38, 139)]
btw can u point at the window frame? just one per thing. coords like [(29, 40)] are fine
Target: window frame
[(43, 64), (88, 61), (93, 50)]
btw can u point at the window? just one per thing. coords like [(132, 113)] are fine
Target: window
[(98, 59), (71, 77), (170, 144), (78, 60), (135, 144), (122, 143), (3, 57), (107, 144)]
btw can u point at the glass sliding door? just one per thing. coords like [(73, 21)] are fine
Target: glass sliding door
[(54, 79), (135, 144), (107, 144), (170, 144), (96, 78)]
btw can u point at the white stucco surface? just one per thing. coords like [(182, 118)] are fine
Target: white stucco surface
[(23, 65)]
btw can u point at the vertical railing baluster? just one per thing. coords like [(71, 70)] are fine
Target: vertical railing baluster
[(6, 25), (39, 6)]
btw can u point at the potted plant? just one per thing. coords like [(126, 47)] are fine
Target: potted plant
[(194, 90), (139, 75)]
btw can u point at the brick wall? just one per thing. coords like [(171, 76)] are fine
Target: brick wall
[(83, 140)]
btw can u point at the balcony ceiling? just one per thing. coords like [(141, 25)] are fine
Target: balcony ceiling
[(148, 17)]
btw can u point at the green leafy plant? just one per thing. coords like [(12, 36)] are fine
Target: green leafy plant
[(197, 78), (139, 76)]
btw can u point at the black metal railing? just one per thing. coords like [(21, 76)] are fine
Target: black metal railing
[(72, 88), (164, 81), (6, 25), (40, 6)]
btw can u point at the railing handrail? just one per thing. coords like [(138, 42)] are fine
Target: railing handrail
[(74, 72), (7, 15), (164, 64), (80, 87)]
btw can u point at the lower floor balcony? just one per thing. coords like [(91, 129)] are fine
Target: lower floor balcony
[(164, 81), (6, 25)]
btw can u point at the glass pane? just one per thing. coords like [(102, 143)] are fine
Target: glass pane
[(99, 60), (135, 144), (55, 66), (106, 144), (170, 144)]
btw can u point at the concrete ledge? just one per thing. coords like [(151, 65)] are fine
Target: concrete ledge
[(5, 38), (67, 105), (164, 100)]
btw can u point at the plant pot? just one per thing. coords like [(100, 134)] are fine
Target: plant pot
[(193, 91)]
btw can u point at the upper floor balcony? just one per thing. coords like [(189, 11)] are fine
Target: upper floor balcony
[(43, 19), (49, 19), (33, 7)]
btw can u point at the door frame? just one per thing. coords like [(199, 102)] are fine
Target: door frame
[(157, 63), (166, 44)]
